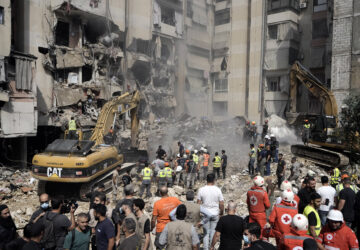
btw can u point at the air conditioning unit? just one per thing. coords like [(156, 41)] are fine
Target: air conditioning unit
[(303, 5)]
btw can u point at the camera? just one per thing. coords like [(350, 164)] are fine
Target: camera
[(67, 205)]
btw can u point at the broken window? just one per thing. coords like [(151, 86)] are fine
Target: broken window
[(283, 4), (221, 85), (2, 15), (62, 33), (220, 108), (273, 84), (273, 31), (86, 73), (222, 16), (320, 5), (319, 28), (168, 16)]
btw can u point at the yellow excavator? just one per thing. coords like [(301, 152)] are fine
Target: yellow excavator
[(75, 166), (328, 145)]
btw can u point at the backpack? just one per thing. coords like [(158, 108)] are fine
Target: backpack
[(49, 239)]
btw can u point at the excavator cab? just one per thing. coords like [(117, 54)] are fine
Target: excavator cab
[(323, 128)]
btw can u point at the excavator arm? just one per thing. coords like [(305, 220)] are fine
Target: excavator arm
[(299, 74), (115, 107)]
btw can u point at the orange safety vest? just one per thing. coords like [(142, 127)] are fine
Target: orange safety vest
[(257, 200), (206, 160), (281, 216)]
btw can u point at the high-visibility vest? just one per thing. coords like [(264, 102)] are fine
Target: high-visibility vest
[(335, 177), (206, 160), (72, 125), (306, 125), (340, 187), (162, 173), (195, 158), (253, 153), (168, 172), (217, 162), (308, 209), (147, 173)]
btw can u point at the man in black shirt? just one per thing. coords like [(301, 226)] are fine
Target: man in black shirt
[(280, 171), (7, 226), (346, 202), (19, 243), (181, 149), (305, 194), (223, 163), (44, 206), (37, 232), (161, 153), (254, 237), (230, 229)]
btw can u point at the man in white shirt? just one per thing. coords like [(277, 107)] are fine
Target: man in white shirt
[(327, 194), (211, 199)]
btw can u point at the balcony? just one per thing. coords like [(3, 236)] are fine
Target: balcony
[(276, 6)]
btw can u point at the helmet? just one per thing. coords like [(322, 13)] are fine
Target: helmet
[(253, 122), (344, 176), (195, 151), (306, 120), (267, 137), (247, 122), (311, 173), (285, 185), (261, 145), (335, 215), (300, 222), (272, 135), (187, 151), (166, 164), (258, 181), (287, 195), (202, 149), (205, 150), (178, 155)]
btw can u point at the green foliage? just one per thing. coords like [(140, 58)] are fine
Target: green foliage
[(350, 116)]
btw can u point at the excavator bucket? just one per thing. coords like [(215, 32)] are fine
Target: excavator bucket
[(135, 155)]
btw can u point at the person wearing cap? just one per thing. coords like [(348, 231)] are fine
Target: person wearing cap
[(311, 212), (169, 174), (297, 235), (146, 175), (253, 132), (340, 186), (306, 132), (336, 235), (346, 202), (335, 177), (265, 129), (282, 214), (252, 157), (7, 226), (267, 139), (258, 202)]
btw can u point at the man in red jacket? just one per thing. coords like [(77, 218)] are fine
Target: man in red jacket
[(282, 214), (298, 233), (258, 202), (336, 235)]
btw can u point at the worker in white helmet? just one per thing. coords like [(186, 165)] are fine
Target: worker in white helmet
[(298, 233)]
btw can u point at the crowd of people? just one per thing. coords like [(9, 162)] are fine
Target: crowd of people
[(302, 217)]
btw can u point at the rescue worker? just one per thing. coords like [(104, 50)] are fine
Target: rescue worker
[(274, 147), (161, 179), (294, 170), (191, 170), (282, 214), (216, 164), (223, 163), (298, 233), (72, 128), (262, 158), (258, 201), (340, 186), (146, 174), (265, 129), (336, 235), (335, 177), (267, 140), (284, 186), (195, 157), (311, 213), (252, 157), (280, 170), (169, 174), (306, 132), (246, 132), (205, 166), (253, 132), (258, 157)]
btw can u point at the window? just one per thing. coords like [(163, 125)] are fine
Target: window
[(273, 84), (2, 15), (222, 17), (282, 4), (273, 31), (62, 33), (319, 28), (220, 108), (320, 5), (221, 85), (168, 16), (293, 55)]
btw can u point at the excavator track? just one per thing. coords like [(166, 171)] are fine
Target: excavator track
[(320, 156)]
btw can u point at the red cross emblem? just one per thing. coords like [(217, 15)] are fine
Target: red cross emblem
[(329, 237), (286, 219), (253, 200)]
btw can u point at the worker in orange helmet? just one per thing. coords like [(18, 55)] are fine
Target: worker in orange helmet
[(169, 174), (258, 201), (253, 132), (306, 132)]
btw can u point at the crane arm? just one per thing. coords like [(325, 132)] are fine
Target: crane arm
[(117, 106), (298, 73)]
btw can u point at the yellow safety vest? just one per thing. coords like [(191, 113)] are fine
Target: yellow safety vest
[(147, 174), (335, 178), (340, 187), (308, 209), (72, 125), (253, 153), (168, 172), (195, 158), (217, 162), (306, 125), (162, 173)]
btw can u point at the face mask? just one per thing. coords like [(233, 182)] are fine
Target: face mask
[(44, 206), (246, 239)]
